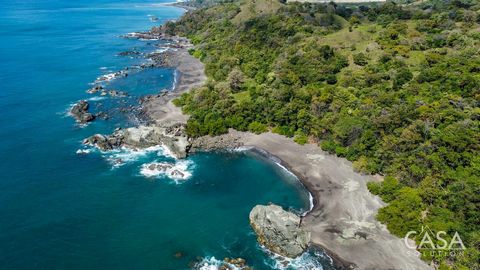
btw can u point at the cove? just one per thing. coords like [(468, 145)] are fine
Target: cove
[(67, 210)]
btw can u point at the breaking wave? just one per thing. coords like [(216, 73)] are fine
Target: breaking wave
[(96, 98), (124, 155), (307, 261), (210, 263), (178, 171)]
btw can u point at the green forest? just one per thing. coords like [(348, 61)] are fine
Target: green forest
[(393, 87)]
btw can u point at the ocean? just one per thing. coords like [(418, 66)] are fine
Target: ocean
[(66, 206)]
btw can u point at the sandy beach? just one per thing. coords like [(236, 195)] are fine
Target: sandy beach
[(189, 74), (342, 221)]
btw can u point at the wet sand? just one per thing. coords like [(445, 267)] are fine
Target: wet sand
[(342, 221), (189, 74)]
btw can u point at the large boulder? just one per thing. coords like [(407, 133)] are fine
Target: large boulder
[(279, 230), (80, 112), (173, 136), (104, 143)]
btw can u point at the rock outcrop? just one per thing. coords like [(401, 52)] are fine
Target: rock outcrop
[(279, 230), (80, 112), (226, 264), (172, 136), (105, 143), (222, 142), (95, 89)]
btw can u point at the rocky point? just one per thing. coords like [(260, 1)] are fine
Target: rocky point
[(279, 230)]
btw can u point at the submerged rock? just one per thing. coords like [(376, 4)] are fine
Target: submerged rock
[(226, 264), (150, 35), (102, 115), (102, 142), (87, 117), (177, 173), (95, 89), (116, 93), (279, 230), (237, 262), (129, 53), (80, 112)]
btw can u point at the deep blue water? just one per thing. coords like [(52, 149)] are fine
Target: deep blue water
[(63, 210)]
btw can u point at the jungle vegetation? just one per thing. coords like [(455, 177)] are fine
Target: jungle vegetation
[(393, 87)]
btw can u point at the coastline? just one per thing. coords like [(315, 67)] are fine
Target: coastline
[(189, 73), (342, 221)]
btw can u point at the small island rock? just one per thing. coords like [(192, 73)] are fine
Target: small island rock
[(80, 112), (279, 231)]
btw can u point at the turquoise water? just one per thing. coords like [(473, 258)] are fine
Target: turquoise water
[(63, 210)]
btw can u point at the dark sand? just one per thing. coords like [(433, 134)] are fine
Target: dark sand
[(342, 221), (189, 74)]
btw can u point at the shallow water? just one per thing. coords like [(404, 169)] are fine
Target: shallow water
[(64, 206)]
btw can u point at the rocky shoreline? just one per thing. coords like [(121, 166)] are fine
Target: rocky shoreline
[(164, 123), (279, 230), (342, 221), (172, 136)]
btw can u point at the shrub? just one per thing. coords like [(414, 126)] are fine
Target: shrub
[(360, 59), (257, 127)]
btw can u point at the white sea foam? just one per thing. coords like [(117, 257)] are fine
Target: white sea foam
[(178, 171), (66, 113), (175, 80), (310, 199), (161, 50), (110, 76), (106, 78), (83, 151), (166, 152), (96, 98), (279, 164), (306, 261), (210, 263), (285, 169), (310, 196), (242, 149), (119, 157)]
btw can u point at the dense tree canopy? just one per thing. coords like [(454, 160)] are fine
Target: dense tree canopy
[(394, 88)]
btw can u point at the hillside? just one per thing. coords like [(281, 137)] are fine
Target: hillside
[(252, 8), (336, 1), (394, 88)]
